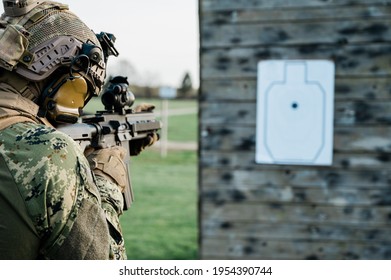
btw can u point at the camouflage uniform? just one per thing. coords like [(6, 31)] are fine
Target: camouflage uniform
[(51, 205)]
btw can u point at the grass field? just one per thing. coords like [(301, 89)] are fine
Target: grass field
[(182, 128), (162, 222)]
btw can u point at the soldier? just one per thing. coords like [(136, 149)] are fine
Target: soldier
[(52, 206)]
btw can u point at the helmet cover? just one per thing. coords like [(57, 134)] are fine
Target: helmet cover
[(19, 7), (56, 38)]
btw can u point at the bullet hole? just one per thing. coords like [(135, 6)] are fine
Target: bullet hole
[(226, 225)]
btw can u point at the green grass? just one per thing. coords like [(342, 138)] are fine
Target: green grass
[(162, 222), (182, 128)]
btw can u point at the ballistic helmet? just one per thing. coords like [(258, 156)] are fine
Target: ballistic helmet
[(44, 42)]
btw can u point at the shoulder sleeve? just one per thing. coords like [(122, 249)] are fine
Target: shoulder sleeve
[(55, 182)]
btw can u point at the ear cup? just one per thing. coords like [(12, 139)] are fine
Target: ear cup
[(72, 93), (64, 101)]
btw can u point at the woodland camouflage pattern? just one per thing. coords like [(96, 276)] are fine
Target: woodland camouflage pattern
[(53, 177)]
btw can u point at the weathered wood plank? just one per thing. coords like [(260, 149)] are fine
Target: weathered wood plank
[(362, 112), (228, 113), (362, 139), (288, 231), (227, 137), (297, 213), (358, 139), (221, 5), (367, 60), (236, 90), (359, 112), (230, 248), (309, 177), (300, 33), (293, 15), (246, 160), (218, 194)]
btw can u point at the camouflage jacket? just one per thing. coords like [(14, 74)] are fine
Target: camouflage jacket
[(51, 205)]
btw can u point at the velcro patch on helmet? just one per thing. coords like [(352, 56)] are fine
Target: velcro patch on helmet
[(13, 47)]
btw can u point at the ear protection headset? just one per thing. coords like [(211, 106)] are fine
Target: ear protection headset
[(62, 100)]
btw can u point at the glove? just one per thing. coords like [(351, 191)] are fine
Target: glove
[(139, 145), (144, 107), (109, 162)]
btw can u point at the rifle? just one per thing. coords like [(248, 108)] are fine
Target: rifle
[(117, 125)]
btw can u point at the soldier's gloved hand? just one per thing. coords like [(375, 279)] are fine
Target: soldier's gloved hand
[(109, 163), (144, 107), (139, 145)]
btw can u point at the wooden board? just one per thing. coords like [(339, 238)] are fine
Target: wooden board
[(230, 248), (245, 89), (259, 211), (288, 175), (224, 5), (329, 13), (361, 61)]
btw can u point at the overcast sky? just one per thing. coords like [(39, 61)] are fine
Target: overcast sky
[(159, 38)]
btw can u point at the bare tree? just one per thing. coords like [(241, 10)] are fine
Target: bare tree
[(186, 86)]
